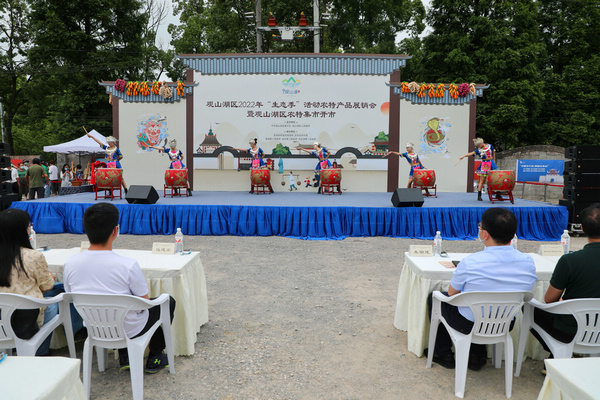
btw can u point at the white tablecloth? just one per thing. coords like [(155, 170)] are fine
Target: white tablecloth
[(571, 379), (422, 275), (52, 378), (181, 276)]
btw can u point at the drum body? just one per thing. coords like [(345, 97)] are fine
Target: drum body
[(424, 177), (108, 178), (176, 178), (501, 181), (260, 176), (331, 176)]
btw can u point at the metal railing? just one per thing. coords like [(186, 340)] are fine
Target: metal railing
[(538, 184)]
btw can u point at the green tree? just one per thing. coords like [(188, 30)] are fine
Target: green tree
[(15, 42), (569, 30), (491, 42), (76, 44), (220, 26)]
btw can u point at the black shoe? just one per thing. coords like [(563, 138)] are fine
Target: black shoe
[(156, 363), (446, 361), (476, 361), (125, 191), (190, 192), (479, 198)]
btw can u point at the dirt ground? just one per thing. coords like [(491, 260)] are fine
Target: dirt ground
[(294, 319)]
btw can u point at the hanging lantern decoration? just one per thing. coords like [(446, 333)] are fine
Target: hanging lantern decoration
[(303, 21), (271, 21)]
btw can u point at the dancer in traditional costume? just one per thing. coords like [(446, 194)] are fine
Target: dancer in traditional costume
[(487, 154), (413, 159), (257, 155), (321, 153), (175, 156), (112, 154)]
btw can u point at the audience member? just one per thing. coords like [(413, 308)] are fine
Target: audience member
[(35, 179), (54, 180), (24, 270), (499, 267), (23, 186), (66, 176), (100, 270), (576, 276), (14, 178), (46, 180)]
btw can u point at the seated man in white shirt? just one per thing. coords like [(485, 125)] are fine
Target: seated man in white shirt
[(99, 270), (498, 268)]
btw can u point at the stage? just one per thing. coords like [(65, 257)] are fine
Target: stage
[(300, 215)]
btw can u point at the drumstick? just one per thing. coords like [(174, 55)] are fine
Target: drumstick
[(457, 162), (85, 129)]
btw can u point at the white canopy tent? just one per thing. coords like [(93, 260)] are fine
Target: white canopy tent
[(82, 145)]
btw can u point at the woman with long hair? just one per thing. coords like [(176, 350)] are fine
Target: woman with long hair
[(24, 271), (66, 176)]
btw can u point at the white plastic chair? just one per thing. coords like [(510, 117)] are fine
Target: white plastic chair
[(9, 303), (103, 315), (586, 340), (493, 313)]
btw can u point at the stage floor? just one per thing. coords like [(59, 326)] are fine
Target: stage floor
[(301, 215)]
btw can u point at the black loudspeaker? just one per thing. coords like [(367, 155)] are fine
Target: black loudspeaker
[(7, 199), (6, 188), (582, 167), (141, 194), (4, 148), (404, 197), (590, 152), (575, 208), (5, 162), (581, 194), (4, 175), (582, 181)]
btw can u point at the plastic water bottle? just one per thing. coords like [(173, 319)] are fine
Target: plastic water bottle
[(565, 240), (513, 242), (32, 239), (178, 241), (437, 244)]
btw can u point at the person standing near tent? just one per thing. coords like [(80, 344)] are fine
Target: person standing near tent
[(54, 181), (113, 154)]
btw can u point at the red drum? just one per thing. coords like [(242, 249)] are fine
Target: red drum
[(501, 181), (424, 177), (176, 178), (260, 176), (331, 176), (109, 178)]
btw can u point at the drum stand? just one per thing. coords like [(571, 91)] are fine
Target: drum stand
[(425, 190), (492, 194), (260, 188), (175, 191), (329, 188), (109, 192)]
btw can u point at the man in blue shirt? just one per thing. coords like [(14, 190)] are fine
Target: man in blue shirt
[(499, 268)]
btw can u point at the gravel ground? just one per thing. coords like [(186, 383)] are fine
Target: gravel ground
[(294, 319)]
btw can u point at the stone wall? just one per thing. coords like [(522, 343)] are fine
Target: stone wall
[(508, 160)]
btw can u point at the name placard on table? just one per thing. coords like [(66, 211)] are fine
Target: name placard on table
[(163, 248), (551, 250), (420, 250)]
